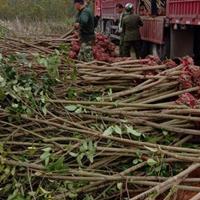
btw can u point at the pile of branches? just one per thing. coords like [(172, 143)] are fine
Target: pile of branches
[(45, 45), (126, 130), (69, 44)]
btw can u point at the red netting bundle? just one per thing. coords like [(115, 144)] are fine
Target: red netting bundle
[(190, 75), (187, 99), (103, 49), (151, 60), (170, 63)]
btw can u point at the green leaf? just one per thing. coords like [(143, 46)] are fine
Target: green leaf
[(1, 148), (98, 98), (151, 162), (47, 149), (42, 61), (135, 161), (1, 57), (132, 131), (91, 147), (151, 149), (110, 92), (72, 195), (13, 171), (46, 155), (57, 165), (32, 194), (71, 108), (90, 156), (85, 146), (108, 131), (51, 63), (119, 186), (73, 154), (44, 110), (79, 110), (44, 191), (88, 197), (79, 159), (117, 129), (165, 133), (74, 74), (31, 150)]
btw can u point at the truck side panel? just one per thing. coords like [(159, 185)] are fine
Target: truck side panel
[(97, 8), (184, 12), (108, 7), (153, 29)]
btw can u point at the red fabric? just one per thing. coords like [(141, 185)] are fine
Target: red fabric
[(190, 76), (150, 60), (187, 61), (103, 50), (187, 99), (170, 63)]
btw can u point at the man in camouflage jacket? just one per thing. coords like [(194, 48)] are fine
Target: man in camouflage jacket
[(130, 28)]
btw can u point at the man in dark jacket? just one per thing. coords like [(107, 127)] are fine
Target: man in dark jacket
[(130, 28), (85, 25)]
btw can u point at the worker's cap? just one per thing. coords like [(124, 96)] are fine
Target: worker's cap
[(129, 7), (79, 1)]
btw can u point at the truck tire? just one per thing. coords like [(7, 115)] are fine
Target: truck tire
[(99, 27), (159, 50), (108, 27)]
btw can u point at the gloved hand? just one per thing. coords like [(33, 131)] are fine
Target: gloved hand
[(120, 30), (76, 26)]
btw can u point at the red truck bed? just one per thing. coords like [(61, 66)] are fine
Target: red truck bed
[(153, 30), (183, 11), (108, 7), (178, 12)]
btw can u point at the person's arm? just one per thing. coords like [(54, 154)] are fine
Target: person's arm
[(96, 21), (76, 25), (140, 22), (120, 23), (123, 26), (77, 18)]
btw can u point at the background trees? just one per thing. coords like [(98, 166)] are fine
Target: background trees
[(36, 9)]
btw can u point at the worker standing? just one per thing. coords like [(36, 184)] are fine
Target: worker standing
[(120, 11), (130, 28), (154, 8), (85, 25)]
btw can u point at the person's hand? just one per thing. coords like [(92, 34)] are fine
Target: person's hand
[(76, 26), (116, 31)]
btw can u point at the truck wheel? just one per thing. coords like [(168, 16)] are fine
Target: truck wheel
[(154, 50), (158, 50), (108, 27), (99, 27)]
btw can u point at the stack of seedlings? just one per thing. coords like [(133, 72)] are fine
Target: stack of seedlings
[(73, 130), (103, 48)]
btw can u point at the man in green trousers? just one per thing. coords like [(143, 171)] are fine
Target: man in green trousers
[(85, 25)]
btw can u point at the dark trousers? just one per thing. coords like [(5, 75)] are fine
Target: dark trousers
[(121, 49), (132, 44), (121, 45)]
